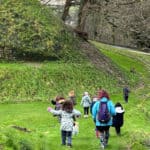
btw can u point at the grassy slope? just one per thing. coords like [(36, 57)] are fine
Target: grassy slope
[(45, 128), (39, 82)]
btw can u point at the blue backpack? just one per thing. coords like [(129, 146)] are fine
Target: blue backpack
[(103, 113)]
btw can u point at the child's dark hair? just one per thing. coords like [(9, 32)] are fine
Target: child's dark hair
[(67, 106), (118, 104), (59, 98)]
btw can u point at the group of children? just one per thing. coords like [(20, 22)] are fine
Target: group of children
[(66, 113)]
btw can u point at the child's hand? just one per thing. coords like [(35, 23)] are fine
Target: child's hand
[(49, 109)]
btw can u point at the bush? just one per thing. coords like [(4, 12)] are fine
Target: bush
[(29, 30)]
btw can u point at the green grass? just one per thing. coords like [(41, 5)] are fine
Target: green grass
[(45, 132), (39, 82), (125, 61), (124, 58)]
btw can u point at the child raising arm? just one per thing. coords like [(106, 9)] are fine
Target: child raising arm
[(67, 113)]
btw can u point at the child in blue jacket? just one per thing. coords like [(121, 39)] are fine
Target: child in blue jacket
[(103, 128)]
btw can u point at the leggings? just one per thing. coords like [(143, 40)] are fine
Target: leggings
[(66, 135), (104, 134), (86, 110)]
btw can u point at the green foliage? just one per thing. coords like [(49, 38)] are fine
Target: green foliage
[(29, 30), (26, 82)]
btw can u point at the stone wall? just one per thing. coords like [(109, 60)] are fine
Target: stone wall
[(119, 22)]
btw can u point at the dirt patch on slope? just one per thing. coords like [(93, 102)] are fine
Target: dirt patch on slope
[(99, 60)]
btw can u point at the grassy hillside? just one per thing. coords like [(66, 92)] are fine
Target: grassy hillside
[(42, 81), (29, 30), (23, 81)]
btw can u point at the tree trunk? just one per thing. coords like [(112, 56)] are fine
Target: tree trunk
[(66, 9)]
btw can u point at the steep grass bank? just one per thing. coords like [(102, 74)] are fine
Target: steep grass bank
[(41, 82), (23, 81), (126, 61)]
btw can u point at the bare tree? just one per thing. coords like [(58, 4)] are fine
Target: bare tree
[(66, 9), (67, 6)]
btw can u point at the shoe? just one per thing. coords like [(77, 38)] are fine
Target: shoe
[(105, 142), (69, 145), (102, 146), (119, 134)]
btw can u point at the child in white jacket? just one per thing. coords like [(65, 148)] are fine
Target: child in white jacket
[(67, 113), (86, 102)]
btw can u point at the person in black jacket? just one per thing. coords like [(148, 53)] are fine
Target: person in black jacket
[(126, 92), (118, 119)]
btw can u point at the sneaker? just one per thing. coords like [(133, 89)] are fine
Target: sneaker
[(69, 145), (119, 134), (105, 142), (102, 146)]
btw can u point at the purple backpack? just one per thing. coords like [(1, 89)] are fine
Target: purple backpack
[(103, 113)]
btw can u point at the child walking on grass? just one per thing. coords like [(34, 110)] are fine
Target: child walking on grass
[(118, 119), (103, 127), (67, 113), (86, 102), (58, 102)]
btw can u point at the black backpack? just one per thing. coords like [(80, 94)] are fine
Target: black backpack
[(103, 113)]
